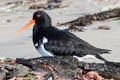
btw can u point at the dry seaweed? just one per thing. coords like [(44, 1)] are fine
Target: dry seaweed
[(88, 19)]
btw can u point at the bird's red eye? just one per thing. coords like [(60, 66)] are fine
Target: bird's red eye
[(38, 15)]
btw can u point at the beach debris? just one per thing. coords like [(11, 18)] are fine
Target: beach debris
[(9, 6), (93, 75), (13, 70), (57, 68), (15, 2), (31, 76), (54, 4), (75, 29), (2, 75), (88, 19), (70, 67), (103, 28), (13, 5), (4, 59), (8, 20), (50, 4), (35, 6)]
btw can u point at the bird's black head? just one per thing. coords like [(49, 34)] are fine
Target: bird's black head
[(40, 18)]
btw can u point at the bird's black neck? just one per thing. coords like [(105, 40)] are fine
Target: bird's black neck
[(39, 31)]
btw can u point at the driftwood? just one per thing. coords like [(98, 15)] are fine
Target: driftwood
[(70, 67), (88, 19)]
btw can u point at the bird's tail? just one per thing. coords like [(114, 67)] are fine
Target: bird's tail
[(101, 58), (115, 64), (104, 51)]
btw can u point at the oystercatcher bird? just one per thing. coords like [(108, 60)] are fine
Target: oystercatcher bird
[(50, 41)]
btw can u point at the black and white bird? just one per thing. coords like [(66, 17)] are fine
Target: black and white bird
[(50, 41)]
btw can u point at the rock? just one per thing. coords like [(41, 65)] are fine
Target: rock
[(69, 67), (9, 20), (2, 75), (18, 71), (14, 70)]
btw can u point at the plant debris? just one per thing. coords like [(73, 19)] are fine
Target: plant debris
[(51, 4), (57, 68), (69, 67), (88, 19)]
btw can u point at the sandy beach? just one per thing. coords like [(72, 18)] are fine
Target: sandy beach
[(20, 45)]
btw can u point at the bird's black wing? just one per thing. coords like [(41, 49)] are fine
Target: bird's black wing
[(65, 43)]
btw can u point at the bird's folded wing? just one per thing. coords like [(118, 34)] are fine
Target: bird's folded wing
[(67, 43)]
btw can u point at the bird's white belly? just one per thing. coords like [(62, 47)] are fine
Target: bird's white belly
[(42, 50), (85, 57)]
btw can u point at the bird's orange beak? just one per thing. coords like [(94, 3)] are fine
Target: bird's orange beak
[(27, 25)]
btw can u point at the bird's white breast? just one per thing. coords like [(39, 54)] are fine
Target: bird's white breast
[(42, 50)]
